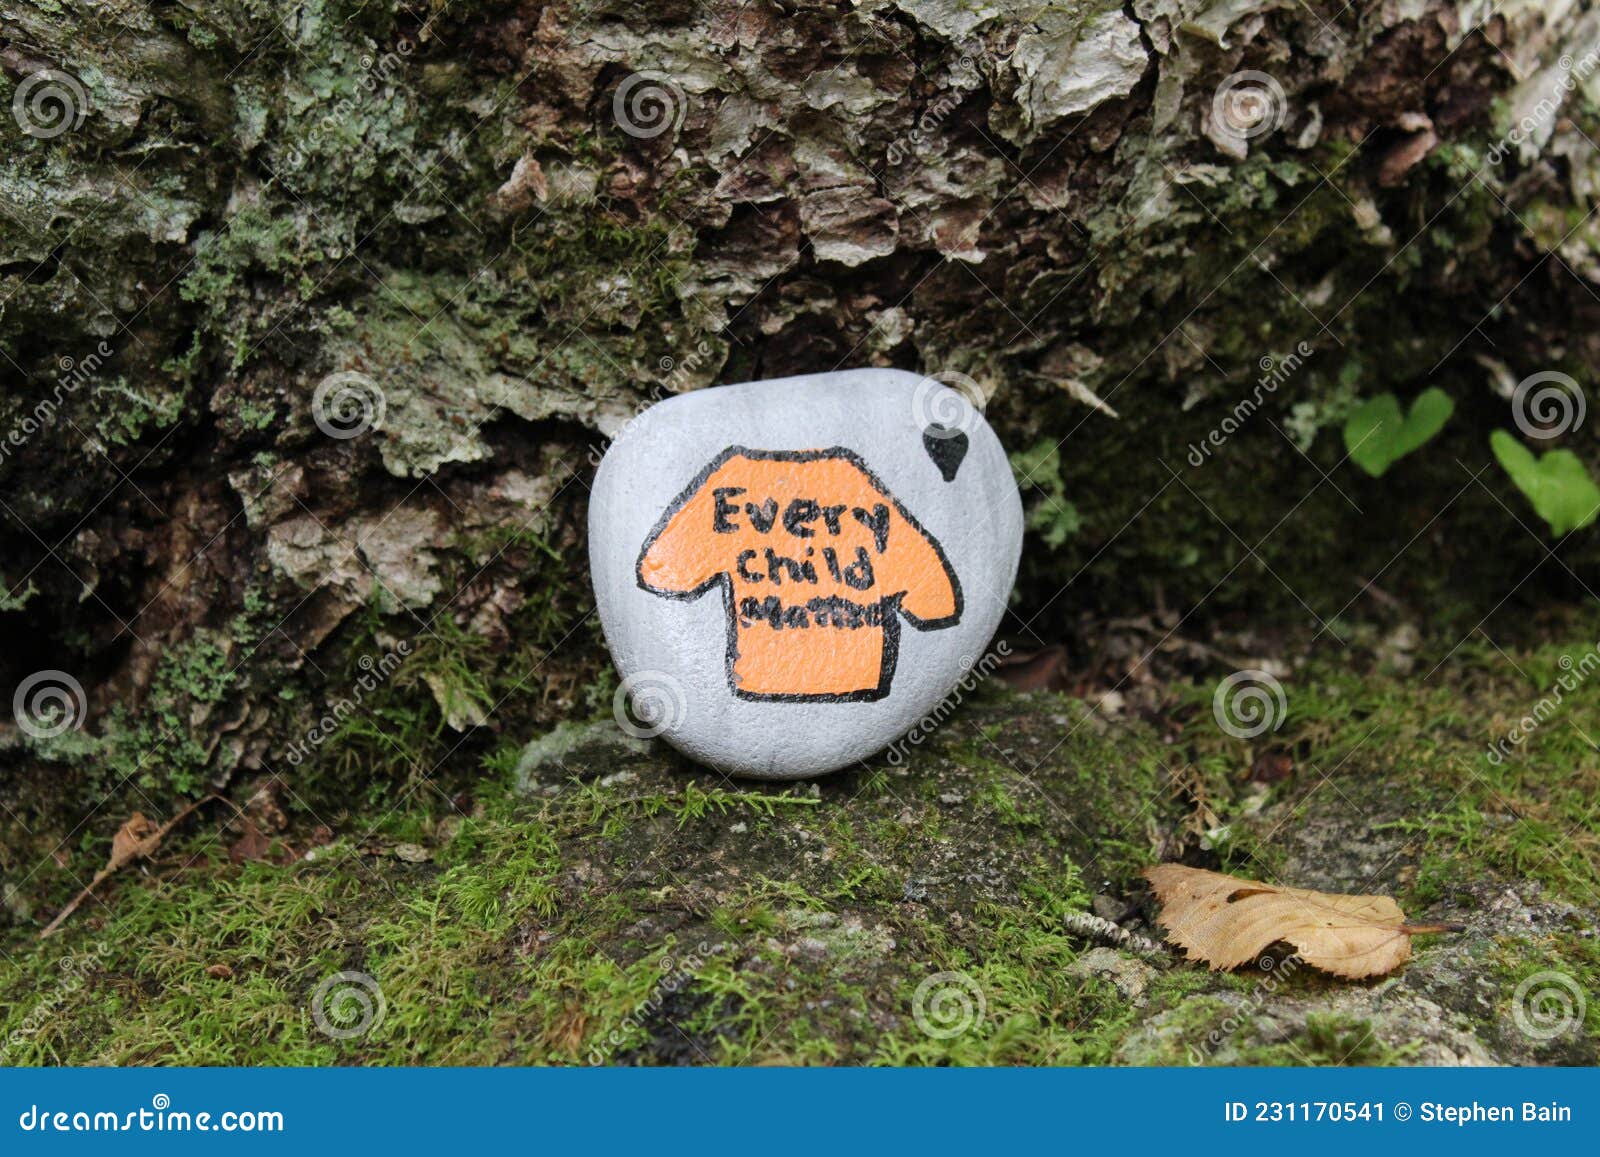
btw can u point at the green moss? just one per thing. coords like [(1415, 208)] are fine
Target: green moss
[(492, 935), (254, 416), (1340, 1040), (617, 907), (158, 747)]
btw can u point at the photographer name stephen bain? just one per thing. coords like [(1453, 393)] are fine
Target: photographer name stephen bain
[(1476, 1112)]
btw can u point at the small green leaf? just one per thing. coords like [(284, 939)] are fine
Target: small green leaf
[(1377, 435), (1558, 483)]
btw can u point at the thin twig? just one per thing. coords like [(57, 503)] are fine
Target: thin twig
[(140, 848)]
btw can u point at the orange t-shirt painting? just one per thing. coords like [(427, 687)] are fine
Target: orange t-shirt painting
[(817, 561)]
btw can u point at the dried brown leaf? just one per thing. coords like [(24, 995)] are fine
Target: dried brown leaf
[(137, 839), (1271, 767), (252, 844), (1227, 921), (1043, 670), (131, 840)]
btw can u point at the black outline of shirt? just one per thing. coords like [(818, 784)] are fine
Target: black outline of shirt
[(890, 603)]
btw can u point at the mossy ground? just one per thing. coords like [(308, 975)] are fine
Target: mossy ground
[(605, 902)]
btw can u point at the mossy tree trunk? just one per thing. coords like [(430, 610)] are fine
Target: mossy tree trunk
[(316, 316)]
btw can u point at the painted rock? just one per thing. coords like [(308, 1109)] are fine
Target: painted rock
[(793, 573)]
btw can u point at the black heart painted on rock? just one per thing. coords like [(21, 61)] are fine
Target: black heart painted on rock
[(946, 447)]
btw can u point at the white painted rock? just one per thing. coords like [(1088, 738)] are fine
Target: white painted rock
[(793, 573)]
